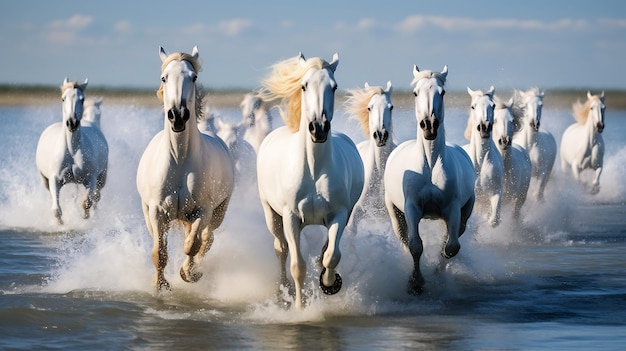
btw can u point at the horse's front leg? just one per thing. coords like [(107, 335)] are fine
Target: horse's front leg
[(330, 280), (196, 224), (90, 196), (156, 223), (595, 185), (292, 228), (54, 185), (453, 224), (494, 216), (413, 215)]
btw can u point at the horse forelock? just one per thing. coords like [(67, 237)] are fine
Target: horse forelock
[(285, 84), (441, 79), (71, 85), (357, 103), (178, 56)]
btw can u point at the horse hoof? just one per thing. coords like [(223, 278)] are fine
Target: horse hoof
[(449, 252), (162, 285), (195, 276), (333, 289)]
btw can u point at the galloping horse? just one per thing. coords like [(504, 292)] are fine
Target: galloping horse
[(372, 107), (541, 145), (242, 152), (183, 175), (582, 145), (68, 152), (256, 119), (517, 166), (425, 178), (306, 174), (486, 158)]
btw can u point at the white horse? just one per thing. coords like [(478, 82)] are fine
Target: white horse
[(372, 107), (256, 119), (517, 165), (91, 112), (183, 175), (68, 152), (306, 174), (541, 145), (582, 145), (242, 152), (484, 154), (425, 178)]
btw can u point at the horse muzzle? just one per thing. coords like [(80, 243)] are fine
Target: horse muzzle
[(72, 124), (178, 118), (504, 142), (319, 131), (381, 137), (600, 127), (485, 130), (535, 125), (429, 129)]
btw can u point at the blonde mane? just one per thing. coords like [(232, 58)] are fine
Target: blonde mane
[(71, 85), (429, 74), (357, 102), (581, 111), (285, 84), (197, 66)]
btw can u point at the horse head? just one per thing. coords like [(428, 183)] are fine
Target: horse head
[(318, 98), (481, 111), (429, 91), (596, 111), (533, 104), (379, 109), (73, 98), (249, 107), (503, 123), (178, 90)]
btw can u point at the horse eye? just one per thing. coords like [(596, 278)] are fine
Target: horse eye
[(415, 93), (335, 88), (369, 108), (194, 78), (473, 107), (303, 87), (391, 108), (163, 79), (443, 92)]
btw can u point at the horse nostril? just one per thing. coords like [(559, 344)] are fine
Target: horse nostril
[(326, 126), (170, 115), (311, 127), (423, 124), (185, 114), (436, 124)]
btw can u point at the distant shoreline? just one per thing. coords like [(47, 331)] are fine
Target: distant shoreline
[(44, 95)]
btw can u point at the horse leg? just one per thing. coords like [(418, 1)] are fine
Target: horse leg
[(494, 215), (195, 226), (291, 226), (453, 224), (54, 185), (274, 223), (466, 212), (157, 227), (595, 185), (413, 215), (330, 280)]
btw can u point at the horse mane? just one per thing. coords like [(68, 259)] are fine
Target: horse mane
[(197, 66), (284, 84), (356, 105), (580, 111), (71, 85), (429, 74)]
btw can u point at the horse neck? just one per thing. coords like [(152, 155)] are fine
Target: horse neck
[(72, 139), (433, 149), (590, 130), (479, 148), (529, 135), (380, 154), (313, 152), (180, 144)]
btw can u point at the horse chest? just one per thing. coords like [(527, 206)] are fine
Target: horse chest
[(313, 201)]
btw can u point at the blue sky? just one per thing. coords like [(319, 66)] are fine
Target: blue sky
[(550, 44)]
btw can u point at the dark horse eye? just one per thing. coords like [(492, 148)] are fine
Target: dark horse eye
[(194, 78)]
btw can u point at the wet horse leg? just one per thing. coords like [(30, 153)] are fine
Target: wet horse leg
[(195, 225), (330, 281), (413, 215), (292, 228), (157, 227)]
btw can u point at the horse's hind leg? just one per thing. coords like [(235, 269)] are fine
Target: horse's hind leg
[(466, 212), (55, 189), (275, 225)]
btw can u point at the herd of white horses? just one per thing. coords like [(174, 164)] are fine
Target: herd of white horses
[(307, 173)]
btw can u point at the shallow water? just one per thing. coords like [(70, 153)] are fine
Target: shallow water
[(556, 281)]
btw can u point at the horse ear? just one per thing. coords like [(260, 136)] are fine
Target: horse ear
[(65, 81), (99, 100), (470, 91), (389, 87), (162, 54), (84, 85), (589, 96), (416, 71), (194, 52), (367, 85), (334, 62), (491, 91), (602, 95), (301, 57), (444, 72)]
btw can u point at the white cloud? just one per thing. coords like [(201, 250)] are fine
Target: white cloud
[(413, 23), (66, 32), (613, 22), (367, 23), (122, 27), (235, 26), (76, 22)]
